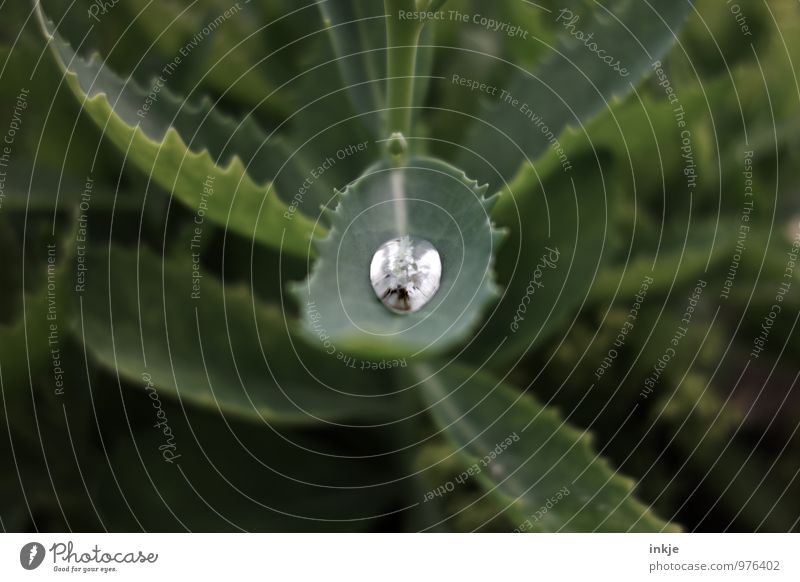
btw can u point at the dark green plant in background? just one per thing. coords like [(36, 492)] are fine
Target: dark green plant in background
[(192, 196)]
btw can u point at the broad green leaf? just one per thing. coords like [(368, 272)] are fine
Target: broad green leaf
[(465, 509), (549, 264), (639, 144), (208, 161), (229, 476), (357, 31), (231, 56), (574, 83), (422, 198), (49, 122), (471, 52), (621, 163), (433, 5), (173, 325), (542, 473), (641, 135)]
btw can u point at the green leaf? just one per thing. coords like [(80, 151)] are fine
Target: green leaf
[(170, 324), (402, 38), (617, 167), (542, 473), (465, 509), (424, 198), (434, 5), (357, 30), (549, 266), (231, 57), (573, 84), (208, 161), (638, 145), (643, 136)]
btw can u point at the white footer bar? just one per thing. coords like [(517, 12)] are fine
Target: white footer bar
[(400, 557)]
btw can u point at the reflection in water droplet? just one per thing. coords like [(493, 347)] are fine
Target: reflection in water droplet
[(405, 273)]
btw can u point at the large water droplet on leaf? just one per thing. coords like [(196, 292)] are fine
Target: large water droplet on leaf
[(405, 273)]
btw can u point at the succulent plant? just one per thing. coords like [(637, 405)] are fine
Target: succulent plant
[(347, 257)]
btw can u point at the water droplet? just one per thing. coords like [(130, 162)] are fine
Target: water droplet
[(405, 273)]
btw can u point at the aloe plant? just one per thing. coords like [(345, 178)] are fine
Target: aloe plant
[(276, 373), (267, 154)]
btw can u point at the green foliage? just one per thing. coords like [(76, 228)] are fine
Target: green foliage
[(250, 368), (226, 363), (565, 244), (358, 38), (211, 163), (542, 472), (423, 198), (574, 83)]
